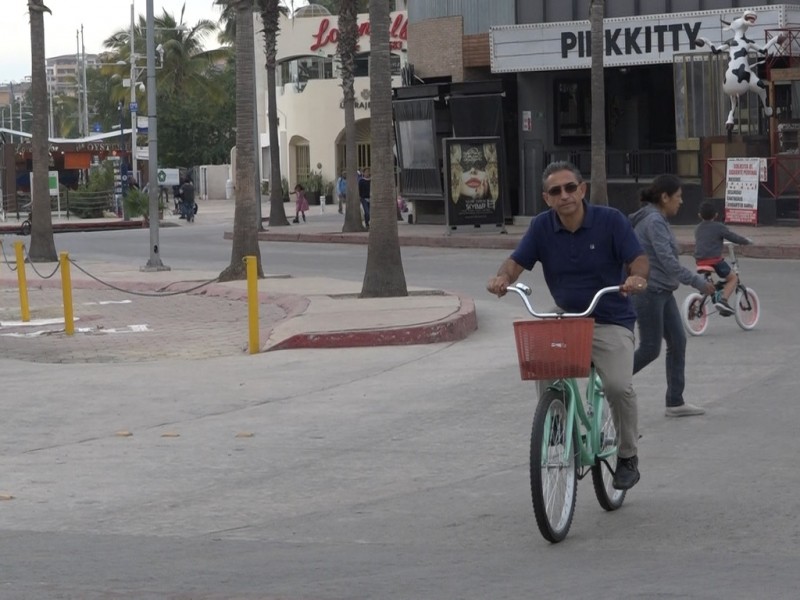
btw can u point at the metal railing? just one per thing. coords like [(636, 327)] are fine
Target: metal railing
[(623, 164)]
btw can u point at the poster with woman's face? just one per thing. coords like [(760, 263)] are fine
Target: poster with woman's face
[(474, 185)]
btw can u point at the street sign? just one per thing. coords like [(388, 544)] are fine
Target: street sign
[(134, 106), (168, 177)]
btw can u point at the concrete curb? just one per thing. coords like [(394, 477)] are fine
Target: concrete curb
[(85, 225), (456, 240), (455, 327), (790, 251)]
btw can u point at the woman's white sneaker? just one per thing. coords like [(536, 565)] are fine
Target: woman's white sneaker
[(684, 410)]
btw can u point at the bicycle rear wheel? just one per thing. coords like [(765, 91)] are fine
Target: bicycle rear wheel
[(603, 471), (25, 229), (747, 309), (694, 314), (554, 475)]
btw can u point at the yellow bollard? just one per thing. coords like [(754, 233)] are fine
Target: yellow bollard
[(252, 302), (23, 283), (66, 292)]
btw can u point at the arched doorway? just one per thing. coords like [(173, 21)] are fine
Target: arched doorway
[(363, 147), (299, 159)]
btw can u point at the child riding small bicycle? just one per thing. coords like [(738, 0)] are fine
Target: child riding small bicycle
[(709, 236)]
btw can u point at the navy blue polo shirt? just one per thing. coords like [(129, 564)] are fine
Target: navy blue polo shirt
[(578, 264)]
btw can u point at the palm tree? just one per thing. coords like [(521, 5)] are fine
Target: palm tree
[(384, 275), (270, 11), (599, 190), (43, 247), (335, 6), (245, 227), (348, 42), (270, 14), (185, 63)]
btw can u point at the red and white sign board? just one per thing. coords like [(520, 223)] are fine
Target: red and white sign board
[(741, 190)]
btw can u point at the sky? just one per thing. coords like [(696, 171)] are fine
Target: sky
[(100, 19)]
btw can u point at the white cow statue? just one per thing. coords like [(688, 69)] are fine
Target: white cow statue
[(740, 77)]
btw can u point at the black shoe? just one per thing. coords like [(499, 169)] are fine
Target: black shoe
[(627, 474), (723, 308), (296, 220)]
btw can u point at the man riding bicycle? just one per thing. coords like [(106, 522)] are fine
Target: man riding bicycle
[(583, 248)]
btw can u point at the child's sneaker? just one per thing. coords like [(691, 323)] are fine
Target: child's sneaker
[(723, 307)]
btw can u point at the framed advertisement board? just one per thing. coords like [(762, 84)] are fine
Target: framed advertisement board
[(742, 178), (474, 185)]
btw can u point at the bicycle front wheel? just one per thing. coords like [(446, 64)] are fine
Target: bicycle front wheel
[(603, 470), (747, 309), (694, 314), (554, 472)]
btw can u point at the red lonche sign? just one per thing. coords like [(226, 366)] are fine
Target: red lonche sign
[(398, 33)]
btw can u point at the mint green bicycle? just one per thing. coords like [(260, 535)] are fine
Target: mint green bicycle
[(570, 437)]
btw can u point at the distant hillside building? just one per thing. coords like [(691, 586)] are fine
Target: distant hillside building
[(63, 72)]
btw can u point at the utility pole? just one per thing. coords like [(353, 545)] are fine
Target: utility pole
[(134, 124), (79, 119), (154, 263), (85, 89)]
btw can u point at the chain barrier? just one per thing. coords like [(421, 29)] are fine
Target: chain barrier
[(35, 270), (9, 264), (157, 294)]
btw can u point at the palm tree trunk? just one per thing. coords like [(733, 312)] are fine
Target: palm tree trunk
[(348, 40), (599, 189), (43, 248), (270, 16), (245, 227), (384, 276)]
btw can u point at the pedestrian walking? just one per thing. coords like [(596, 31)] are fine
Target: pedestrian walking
[(364, 189), (657, 311), (300, 203), (341, 190)]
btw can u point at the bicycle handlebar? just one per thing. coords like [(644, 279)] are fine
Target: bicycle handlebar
[(524, 291)]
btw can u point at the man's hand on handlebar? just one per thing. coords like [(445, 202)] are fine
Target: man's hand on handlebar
[(634, 284), (497, 285)]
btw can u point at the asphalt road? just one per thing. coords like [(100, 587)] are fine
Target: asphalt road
[(387, 473)]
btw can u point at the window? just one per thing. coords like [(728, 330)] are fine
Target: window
[(361, 68), (301, 70), (573, 110), (302, 162), (417, 144), (395, 64)]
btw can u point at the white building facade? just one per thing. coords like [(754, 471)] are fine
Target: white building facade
[(309, 93)]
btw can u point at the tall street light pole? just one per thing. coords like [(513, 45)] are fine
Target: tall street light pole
[(154, 263), (123, 169), (85, 87), (134, 105)]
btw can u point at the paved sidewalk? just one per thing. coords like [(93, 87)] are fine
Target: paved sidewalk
[(133, 316), (154, 315)]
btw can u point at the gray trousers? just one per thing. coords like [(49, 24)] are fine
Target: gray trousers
[(612, 355)]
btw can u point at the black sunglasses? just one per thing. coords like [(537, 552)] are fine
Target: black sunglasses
[(570, 188)]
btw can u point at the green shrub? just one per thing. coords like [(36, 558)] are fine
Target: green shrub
[(93, 198), (137, 204)]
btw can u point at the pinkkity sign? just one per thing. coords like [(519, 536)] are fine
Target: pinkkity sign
[(327, 34), (628, 41)]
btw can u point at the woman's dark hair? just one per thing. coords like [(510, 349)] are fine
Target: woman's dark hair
[(663, 184)]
